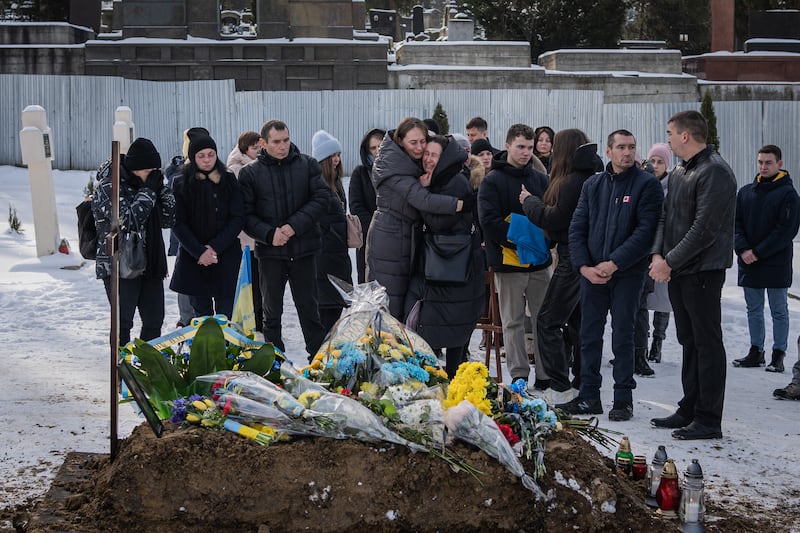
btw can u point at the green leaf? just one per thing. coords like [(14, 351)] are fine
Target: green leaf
[(163, 378), (261, 361), (207, 354)]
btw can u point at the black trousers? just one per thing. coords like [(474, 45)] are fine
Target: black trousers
[(361, 261), (147, 295), (559, 307), (210, 305), (301, 273), (696, 305)]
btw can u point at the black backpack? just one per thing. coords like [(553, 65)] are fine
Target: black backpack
[(87, 229)]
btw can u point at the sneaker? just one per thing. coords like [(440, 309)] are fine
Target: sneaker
[(541, 384), (673, 421), (554, 397), (697, 431), (753, 359), (621, 411), (582, 406), (789, 392)]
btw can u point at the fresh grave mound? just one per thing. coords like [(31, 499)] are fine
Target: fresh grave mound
[(199, 480)]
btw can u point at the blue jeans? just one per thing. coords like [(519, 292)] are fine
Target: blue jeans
[(778, 308)]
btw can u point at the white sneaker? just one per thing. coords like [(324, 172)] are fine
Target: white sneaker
[(554, 397)]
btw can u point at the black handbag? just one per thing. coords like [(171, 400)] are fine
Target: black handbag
[(448, 257), (132, 259)]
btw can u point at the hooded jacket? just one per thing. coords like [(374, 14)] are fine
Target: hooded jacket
[(498, 197), (767, 219), (696, 229), (616, 219), (284, 191), (361, 192), (393, 233), (450, 310), (555, 219)]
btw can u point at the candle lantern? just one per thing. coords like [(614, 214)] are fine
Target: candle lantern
[(624, 456), (654, 474), (639, 470), (692, 508), (668, 495)]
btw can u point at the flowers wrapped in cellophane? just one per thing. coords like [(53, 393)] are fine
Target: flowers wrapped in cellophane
[(466, 422), (369, 348)]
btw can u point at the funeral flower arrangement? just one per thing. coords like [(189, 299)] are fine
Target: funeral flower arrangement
[(372, 380)]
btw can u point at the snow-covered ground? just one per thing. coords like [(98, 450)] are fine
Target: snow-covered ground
[(55, 360)]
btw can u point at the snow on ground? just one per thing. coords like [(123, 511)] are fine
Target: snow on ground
[(55, 360)]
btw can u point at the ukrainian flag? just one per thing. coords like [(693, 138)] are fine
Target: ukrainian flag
[(244, 316)]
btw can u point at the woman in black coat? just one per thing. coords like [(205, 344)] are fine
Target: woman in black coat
[(334, 256), (209, 217), (362, 192), (449, 311), (574, 160), (400, 198)]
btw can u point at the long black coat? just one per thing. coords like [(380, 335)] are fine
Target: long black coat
[(555, 219), (334, 258), (361, 191), (222, 225), (284, 191), (498, 197), (449, 310), (400, 198), (767, 218)]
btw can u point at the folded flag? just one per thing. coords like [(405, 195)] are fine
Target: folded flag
[(532, 246)]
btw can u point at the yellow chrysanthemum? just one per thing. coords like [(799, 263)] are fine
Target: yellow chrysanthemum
[(308, 398)]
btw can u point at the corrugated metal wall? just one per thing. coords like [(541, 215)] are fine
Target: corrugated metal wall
[(80, 111)]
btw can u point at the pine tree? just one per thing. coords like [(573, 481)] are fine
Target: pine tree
[(441, 119), (707, 110)]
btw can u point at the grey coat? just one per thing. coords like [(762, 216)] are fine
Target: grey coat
[(394, 232)]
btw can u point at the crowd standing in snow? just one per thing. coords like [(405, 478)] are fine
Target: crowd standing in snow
[(438, 211)]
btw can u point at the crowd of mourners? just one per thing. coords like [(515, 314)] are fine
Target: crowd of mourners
[(565, 240)]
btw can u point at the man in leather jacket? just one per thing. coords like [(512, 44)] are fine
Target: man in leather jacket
[(693, 247)]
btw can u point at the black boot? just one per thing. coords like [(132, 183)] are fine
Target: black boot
[(753, 359), (777, 361), (655, 351), (640, 366)]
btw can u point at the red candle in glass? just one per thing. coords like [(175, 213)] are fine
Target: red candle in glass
[(668, 495), (639, 469)]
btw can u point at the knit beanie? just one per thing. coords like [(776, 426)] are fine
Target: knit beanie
[(480, 145), (324, 145), (462, 141), (142, 154), (432, 125), (661, 150), (188, 135), (200, 142)]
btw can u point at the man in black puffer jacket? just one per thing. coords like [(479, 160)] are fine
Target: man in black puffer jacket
[(693, 247), (610, 238), (284, 196), (498, 197)]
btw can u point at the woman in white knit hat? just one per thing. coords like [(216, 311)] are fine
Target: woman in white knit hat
[(334, 258)]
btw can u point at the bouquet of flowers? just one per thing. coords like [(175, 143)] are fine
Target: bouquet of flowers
[(204, 412)]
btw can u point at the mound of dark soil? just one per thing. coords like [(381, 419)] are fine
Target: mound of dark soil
[(197, 480)]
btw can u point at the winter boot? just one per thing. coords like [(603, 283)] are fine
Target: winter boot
[(789, 392), (753, 359), (640, 366), (776, 365), (655, 351)]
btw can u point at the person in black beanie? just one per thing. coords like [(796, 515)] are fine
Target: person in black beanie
[(209, 217), (146, 205)]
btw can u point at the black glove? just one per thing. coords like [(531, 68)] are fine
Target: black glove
[(469, 204), (155, 180)]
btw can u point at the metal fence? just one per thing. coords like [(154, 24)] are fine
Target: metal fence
[(80, 111)]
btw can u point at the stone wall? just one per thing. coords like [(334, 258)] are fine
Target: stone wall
[(659, 61), (51, 33), (465, 53)]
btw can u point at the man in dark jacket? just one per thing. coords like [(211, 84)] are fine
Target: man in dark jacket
[(284, 196), (610, 237), (498, 197), (767, 218), (693, 247)]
